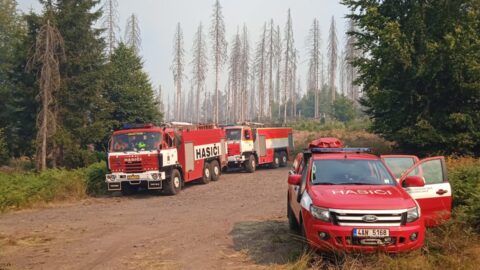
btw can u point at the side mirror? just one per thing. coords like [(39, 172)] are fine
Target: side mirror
[(291, 172), (413, 181), (247, 135), (294, 179)]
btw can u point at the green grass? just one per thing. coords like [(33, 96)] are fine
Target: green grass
[(26, 189)]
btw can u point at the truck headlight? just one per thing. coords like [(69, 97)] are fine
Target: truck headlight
[(320, 213), (111, 177), (155, 176), (412, 214)]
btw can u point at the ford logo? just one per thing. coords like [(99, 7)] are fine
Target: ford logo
[(369, 218)]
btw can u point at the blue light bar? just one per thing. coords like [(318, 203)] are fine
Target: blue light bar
[(341, 150)]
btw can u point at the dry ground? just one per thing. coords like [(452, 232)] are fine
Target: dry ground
[(235, 223)]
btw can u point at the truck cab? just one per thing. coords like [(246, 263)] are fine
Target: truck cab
[(346, 199)]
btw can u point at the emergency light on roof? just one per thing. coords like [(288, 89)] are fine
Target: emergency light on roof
[(132, 126), (340, 150)]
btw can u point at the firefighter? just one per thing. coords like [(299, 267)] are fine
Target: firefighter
[(119, 145)]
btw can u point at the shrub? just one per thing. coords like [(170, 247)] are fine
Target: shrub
[(4, 155), (95, 178)]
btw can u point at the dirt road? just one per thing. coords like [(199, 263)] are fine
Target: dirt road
[(235, 223)]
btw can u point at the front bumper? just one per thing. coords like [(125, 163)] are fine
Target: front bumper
[(236, 159), (152, 179), (340, 238)]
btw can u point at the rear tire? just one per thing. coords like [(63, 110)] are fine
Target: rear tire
[(207, 174), (174, 184), (215, 170), (276, 161), (283, 159), (250, 164)]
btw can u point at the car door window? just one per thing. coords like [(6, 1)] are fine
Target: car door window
[(431, 171)]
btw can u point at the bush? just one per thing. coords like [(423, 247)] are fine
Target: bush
[(95, 178), (464, 176), (4, 155), (26, 189)]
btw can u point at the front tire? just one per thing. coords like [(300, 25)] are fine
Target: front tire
[(292, 221), (215, 170), (250, 164), (174, 184)]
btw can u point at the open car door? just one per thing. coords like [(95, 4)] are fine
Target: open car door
[(435, 197), (399, 164)]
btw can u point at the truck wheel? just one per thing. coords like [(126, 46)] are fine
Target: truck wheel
[(250, 164), (207, 174), (216, 171), (174, 184), (283, 159), (292, 221), (276, 161)]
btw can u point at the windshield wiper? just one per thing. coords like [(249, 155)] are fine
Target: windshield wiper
[(356, 183), (324, 183)]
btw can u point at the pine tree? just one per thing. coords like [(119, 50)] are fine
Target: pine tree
[(177, 69), (132, 33), (129, 89), (49, 52), (351, 71), (199, 68), (273, 52), (219, 51), (235, 75)]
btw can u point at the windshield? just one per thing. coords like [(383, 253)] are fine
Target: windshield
[(350, 172), (136, 141), (234, 134), (399, 165)]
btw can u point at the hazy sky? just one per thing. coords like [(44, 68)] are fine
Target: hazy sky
[(158, 19)]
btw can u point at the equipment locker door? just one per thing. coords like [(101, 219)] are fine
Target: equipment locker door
[(435, 198), (262, 145)]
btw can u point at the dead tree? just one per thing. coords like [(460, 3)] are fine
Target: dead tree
[(199, 67), (332, 58), (48, 53), (132, 33), (219, 50), (177, 69), (110, 23)]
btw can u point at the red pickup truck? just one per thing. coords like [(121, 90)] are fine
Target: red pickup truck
[(346, 199)]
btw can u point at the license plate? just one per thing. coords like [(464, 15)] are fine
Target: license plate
[(133, 177), (371, 232)]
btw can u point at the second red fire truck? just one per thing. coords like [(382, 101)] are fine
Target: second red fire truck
[(249, 146)]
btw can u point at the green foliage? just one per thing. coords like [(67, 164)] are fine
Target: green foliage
[(344, 109), (4, 155), (127, 82), (420, 72), (27, 189), (95, 178), (464, 176)]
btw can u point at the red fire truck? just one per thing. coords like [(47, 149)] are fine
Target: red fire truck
[(249, 146), (164, 158)]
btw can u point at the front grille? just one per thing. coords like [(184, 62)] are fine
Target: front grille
[(134, 167), (368, 218)]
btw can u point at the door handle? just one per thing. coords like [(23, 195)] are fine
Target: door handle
[(441, 191)]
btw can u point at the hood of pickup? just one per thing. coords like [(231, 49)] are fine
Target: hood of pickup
[(374, 197)]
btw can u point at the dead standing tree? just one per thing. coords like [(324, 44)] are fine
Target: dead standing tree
[(110, 19), (219, 50), (332, 58), (177, 69), (132, 33), (199, 67), (48, 53)]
